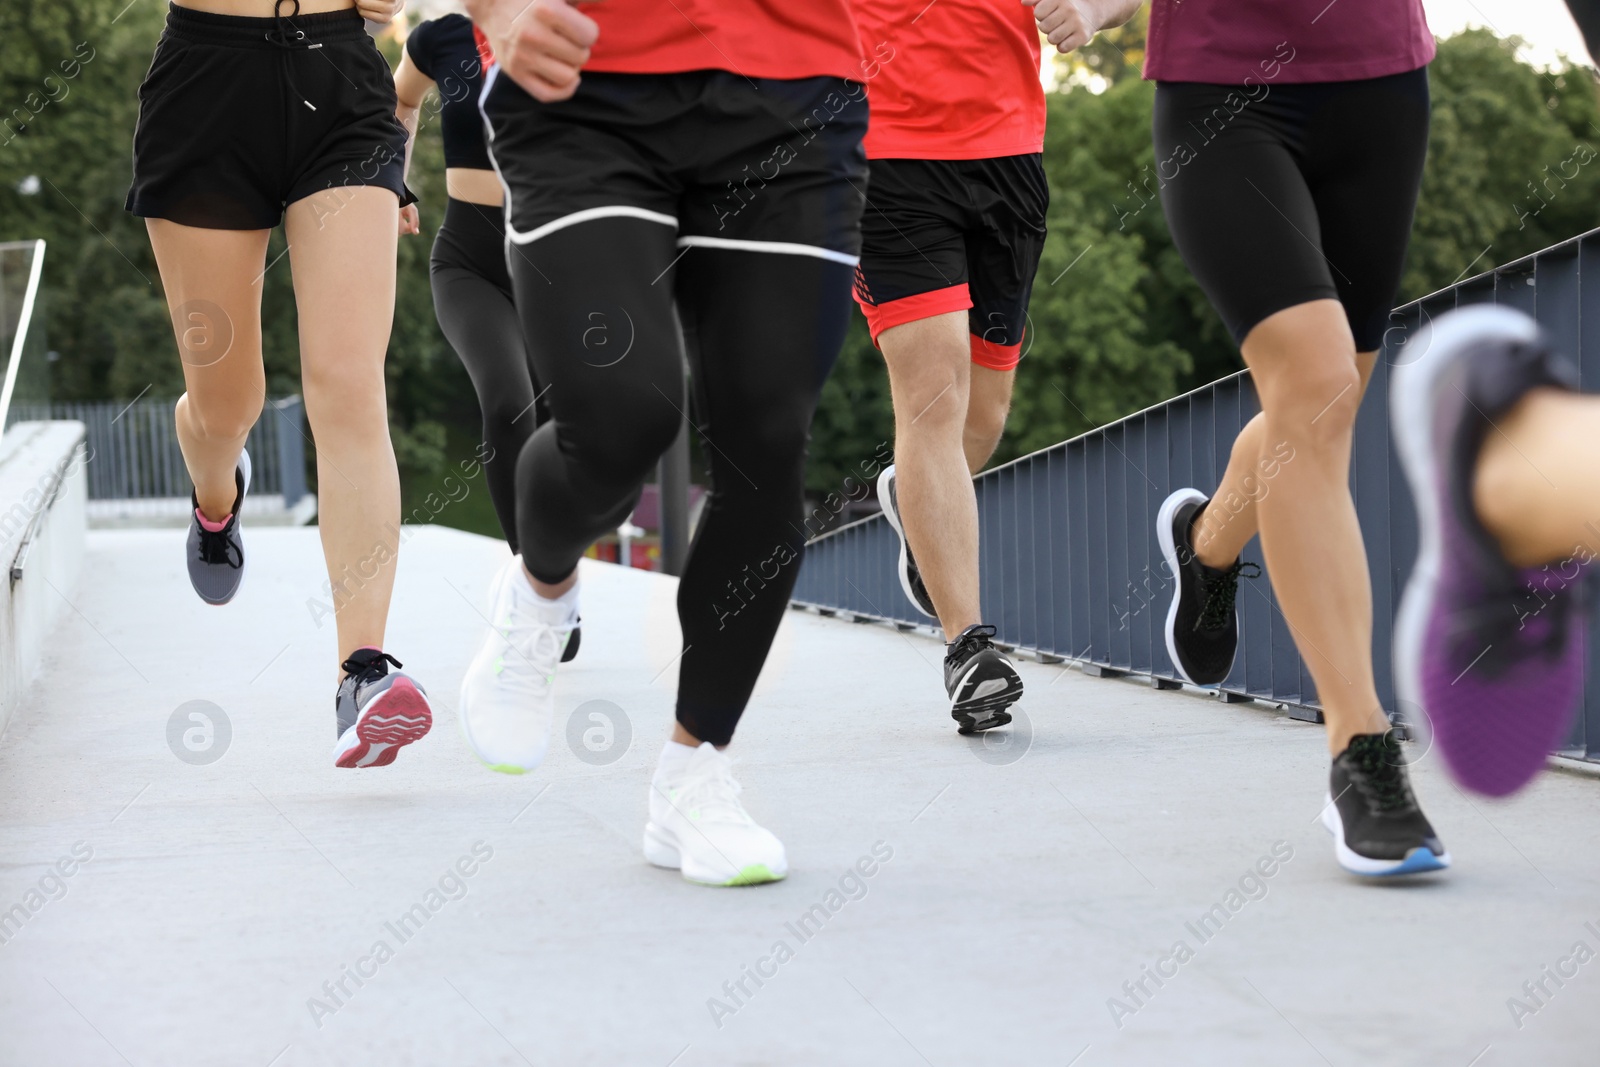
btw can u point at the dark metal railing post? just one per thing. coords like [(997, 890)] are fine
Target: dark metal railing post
[(291, 448)]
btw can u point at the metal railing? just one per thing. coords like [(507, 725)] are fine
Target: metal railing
[(1069, 563), (133, 448)]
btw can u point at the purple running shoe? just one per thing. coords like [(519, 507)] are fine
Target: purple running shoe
[(1492, 654)]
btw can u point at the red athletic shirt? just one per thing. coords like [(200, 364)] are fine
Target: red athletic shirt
[(952, 79), (755, 38), (1224, 42)]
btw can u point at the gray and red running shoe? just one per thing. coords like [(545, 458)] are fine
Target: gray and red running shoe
[(377, 711), (1492, 654)]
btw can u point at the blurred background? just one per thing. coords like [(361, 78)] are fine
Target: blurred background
[(1117, 322)]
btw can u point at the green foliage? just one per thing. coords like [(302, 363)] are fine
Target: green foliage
[(1506, 174), (106, 314)]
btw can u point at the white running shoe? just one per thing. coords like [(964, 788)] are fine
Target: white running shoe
[(698, 826), (508, 694)]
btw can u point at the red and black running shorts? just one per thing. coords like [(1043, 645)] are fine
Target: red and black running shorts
[(240, 117), (954, 235)]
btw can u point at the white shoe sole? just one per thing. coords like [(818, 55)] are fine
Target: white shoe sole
[(1169, 549), (661, 850), (1411, 418), (1418, 861), (892, 515)]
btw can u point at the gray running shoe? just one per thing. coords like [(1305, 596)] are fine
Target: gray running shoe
[(216, 557), (378, 712)]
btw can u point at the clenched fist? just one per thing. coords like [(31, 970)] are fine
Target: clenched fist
[(541, 45)]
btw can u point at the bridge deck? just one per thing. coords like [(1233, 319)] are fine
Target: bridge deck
[(1019, 897)]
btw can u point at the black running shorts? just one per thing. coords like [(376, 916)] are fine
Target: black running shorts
[(954, 235), (241, 117), (759, 164), (1278, 195)]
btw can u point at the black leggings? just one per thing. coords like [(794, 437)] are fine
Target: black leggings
[(602, 304), (472, 300), (1278, 195)]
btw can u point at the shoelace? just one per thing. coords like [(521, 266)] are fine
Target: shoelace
[(289, 38), (1218, 594), (712, 792), (219, 547), (1496, 633), (370, 669), (970, 641), (1377, 771), (532, 654)]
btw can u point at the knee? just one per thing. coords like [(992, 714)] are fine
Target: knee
[(623, 449), (931, 401), (224, 419), (344, 396), (1316, 404), (986, 421)]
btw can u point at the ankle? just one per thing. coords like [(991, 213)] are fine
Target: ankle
[(1342, 729), (549, 590)]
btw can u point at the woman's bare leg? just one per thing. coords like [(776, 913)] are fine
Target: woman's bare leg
[(342, 251), (1303, 362), (1229, 521), (212, 280)]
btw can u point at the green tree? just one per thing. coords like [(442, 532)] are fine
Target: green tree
[(66, 145)]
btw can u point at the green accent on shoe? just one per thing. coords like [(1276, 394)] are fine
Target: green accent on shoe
[(506, 768), (755, 874)]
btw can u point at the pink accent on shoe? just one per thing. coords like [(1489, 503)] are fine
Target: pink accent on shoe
[(395, 719), (213, 527)]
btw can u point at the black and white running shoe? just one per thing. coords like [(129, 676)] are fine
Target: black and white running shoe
[(910, 577), (1202, 626), (981, 682), (377, 712), (216, 550), (1377, 826)]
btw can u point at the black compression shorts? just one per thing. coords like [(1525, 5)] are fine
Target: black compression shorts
[(240, 117), (954, 235), (731, 162), (1278, 195)]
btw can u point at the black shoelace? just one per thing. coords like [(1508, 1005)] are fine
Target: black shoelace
[(370, 666), (219, 547), (1493, 629), (289, 38), (1217, 595), (1378, 772), (970, 641)]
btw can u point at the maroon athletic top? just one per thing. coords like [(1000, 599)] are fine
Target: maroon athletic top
[(1230, 42)]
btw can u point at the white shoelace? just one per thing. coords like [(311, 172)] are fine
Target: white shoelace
[(711, 790), (533, 649)]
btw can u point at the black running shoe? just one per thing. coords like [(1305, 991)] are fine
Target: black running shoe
[(1202, 626), (1377, 826), (981, 682), (910, 577), (216, 557)]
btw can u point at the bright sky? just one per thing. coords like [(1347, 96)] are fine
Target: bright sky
[(1544, 24)]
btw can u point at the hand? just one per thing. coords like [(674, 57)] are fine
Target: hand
[(382, 11), (409, 220), (542, 45), (1063, 22)]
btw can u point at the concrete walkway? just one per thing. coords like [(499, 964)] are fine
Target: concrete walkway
[(212, 909)]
